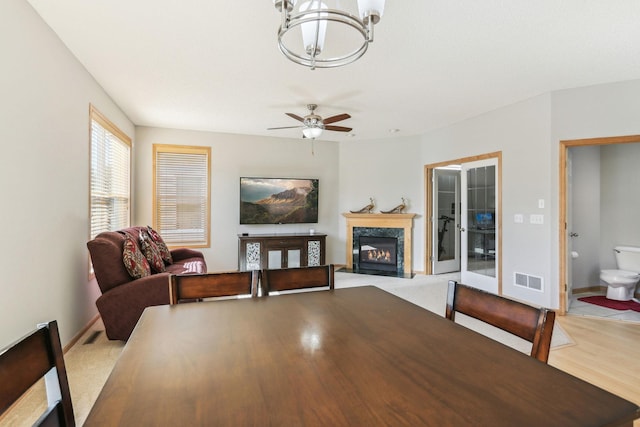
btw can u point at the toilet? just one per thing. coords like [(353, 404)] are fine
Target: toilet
[(622, 283)]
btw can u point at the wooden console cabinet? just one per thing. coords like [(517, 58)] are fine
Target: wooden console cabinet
[(258, 251)]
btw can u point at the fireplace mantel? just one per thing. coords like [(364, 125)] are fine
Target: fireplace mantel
[(371, 220)]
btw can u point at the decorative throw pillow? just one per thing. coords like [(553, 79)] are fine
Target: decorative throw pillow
[(134, 261), (162, 246), (151, 252)]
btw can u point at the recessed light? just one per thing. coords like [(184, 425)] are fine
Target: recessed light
[(394, 130)]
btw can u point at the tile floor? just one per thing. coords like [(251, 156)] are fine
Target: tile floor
[(585, 309)]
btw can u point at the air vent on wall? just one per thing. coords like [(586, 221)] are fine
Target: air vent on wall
[(528, 281)]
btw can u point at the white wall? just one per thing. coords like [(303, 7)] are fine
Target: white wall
[(528, 134), (233, 156), (385, 170), (521, 132), (597, 111), (44, 175)]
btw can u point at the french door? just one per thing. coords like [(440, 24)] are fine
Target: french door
[(479, 219)]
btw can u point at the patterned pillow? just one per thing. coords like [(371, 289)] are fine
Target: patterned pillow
[(162, 246), (151, 252), (134, 261)]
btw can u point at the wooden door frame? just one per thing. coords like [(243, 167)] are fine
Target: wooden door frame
[(562, 231), (428, 219)]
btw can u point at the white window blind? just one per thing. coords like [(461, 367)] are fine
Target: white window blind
[(110, 175), (181, 197)]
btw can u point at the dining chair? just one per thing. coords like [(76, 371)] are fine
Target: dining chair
[(25, 362), (287, 279), (195, 287), (532, 324)]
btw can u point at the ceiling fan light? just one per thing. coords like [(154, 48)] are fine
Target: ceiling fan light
[(315, 31), (312, 132)]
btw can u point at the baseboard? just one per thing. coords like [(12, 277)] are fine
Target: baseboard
[(589, 289)]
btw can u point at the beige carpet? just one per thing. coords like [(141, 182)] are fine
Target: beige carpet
[(90, 361)]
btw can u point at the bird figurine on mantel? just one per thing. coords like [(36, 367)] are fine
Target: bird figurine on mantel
[(398, 209), (366, 209)]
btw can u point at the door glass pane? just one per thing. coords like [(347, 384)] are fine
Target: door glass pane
[(446, 217), (293, 258), (481, 217)]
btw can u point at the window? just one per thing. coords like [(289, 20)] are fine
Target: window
[(110, 175), (181, 194)]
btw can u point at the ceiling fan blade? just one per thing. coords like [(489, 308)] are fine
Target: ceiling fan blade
[(338, 128), (295, 116), (337, 118), (286, 127)]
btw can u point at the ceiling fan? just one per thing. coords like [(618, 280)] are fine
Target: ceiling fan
[(313, 124)]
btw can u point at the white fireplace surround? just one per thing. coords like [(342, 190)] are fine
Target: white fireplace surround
[(370, 220)]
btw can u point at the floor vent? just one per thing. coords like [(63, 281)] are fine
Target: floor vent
[(92, 338), (528, 281)]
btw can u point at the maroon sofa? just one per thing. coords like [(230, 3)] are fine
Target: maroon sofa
[(124, 298)]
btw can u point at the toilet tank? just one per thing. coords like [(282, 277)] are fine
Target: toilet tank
[(628, 258)]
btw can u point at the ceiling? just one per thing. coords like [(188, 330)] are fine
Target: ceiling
[(215, 66)]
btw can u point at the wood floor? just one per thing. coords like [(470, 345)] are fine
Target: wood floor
[(606, 353)]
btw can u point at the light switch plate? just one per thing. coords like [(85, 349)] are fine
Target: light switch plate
[(518, 218), (541, 203), (536, 219)]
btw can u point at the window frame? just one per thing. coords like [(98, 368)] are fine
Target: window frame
[(107, 125), (177, 150)]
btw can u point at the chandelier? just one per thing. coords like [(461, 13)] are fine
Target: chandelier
[(317, 36)]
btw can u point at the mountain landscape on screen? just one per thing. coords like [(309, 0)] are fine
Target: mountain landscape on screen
[(278, 200)]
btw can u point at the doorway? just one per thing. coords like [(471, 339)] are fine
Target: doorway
[(569, 232), (477, 228)]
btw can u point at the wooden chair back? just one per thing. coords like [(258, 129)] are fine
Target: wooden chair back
[(27, 361), (194, 287), (532, 324), (286, 279)]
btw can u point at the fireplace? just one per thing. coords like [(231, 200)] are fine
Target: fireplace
[(387, 229), (378, 253), (378, 250)]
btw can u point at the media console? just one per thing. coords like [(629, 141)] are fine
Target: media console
[(258, 251)]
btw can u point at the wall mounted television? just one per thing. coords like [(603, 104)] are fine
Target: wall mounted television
[(278, 200)]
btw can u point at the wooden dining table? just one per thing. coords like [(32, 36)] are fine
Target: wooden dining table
[(347, 357)]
